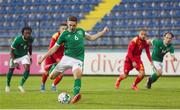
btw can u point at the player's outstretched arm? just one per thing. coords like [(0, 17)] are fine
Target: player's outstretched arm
[(98, 35), (50, 52)]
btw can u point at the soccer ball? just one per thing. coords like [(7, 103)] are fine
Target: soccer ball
[(64, 98)]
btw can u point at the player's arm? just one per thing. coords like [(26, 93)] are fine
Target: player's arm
[(131, 47), (30, 52), (30, 48), (52, 43), (149, 41), (12, 53), (173, 58), (98, 35), (50, 52), (13, 47), (147, 49)]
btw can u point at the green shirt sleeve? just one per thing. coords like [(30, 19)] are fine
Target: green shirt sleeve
[(61, 38), (15, 43), (155, 42)]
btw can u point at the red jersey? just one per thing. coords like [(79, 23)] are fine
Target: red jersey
[(60, 52), (135, 48), (55, 56)]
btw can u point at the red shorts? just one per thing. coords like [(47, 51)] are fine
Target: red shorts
[(49, 61), (128, 65)]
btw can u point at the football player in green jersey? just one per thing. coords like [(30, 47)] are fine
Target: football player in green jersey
[(21, 51), (160, 48), (73, 40)]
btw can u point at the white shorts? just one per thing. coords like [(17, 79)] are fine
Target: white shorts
[(22, 60), (68, 62), (158, 65)]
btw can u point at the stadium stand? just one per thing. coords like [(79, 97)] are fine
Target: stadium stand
[(129, 16), (125, 19)]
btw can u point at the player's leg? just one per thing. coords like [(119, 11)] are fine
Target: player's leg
[(157, 72), (24, 77), (59, 68), (127, 68), (25, 60), (9, 75), (57, 79), (140, 76), (45, 75), (43, 81), (48, 64), (77, 72)]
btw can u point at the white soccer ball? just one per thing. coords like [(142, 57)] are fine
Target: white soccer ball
[(64, 98)]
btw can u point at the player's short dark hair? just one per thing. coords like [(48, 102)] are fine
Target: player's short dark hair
[(172, 35), (26, 28), (72, 18), (63, 24)]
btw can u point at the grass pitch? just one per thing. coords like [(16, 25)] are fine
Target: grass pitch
[(97, 93)]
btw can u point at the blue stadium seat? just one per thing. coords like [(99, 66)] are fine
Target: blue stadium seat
[(124, 20)]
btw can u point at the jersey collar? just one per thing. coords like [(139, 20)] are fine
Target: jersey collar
[(165, 44), (23, 38)]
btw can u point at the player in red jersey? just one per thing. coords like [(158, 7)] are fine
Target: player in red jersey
[(51, 61), (133, 59)]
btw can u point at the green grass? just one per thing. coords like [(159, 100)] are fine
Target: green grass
[(97, 93)]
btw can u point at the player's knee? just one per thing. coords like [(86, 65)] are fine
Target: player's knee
[(52, 76), (11, 70), (46, 73), (159, 72), (141, 73), (77, 73)]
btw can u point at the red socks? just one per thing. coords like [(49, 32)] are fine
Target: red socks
[(44, 78), (58, 79), (138, 79), (121, 77)]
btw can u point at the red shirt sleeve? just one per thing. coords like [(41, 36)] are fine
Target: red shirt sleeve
[(52, 42), (131, 47), (147, 48)]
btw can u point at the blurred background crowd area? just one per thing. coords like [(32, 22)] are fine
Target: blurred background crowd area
[(125, 19)]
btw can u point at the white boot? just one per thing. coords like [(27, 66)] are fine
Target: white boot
[(21, 89), (7, 89)]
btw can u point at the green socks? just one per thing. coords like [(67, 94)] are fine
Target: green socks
[(154, 77), (9, 75), (77, 86), (25, 76)]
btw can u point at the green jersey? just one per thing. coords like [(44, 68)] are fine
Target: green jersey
[(73, 43), (21, 46), (160, 50)]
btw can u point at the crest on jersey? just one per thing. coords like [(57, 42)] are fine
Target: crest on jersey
[(69, 35), (80, 32)]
